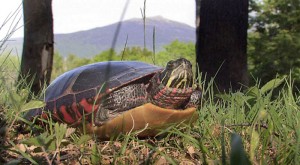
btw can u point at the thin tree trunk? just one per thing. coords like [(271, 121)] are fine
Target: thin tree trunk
[(222, 42), (37, 56)]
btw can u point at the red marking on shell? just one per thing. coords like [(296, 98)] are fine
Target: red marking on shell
[(66, 116), (76, 111), (88, 108), (54, 115)]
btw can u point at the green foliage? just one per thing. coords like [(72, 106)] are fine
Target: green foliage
[(61, 64), (82, 139), (17, 103), (9, 66), (73, 61), (25, 155), (174, 50), (136, 54), (274, 40), (177, 49), (95, 155), (260, 119), (58, 66), (44, 140), (108, 55)]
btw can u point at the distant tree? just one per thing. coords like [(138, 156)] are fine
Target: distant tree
[(74, 61), (59, 65), (62, 64), (136, 53), (177, 49), (106, 55), (37, 53), (222, 41), (274, 40)]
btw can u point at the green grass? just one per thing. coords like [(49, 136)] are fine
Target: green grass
[(257, 125)]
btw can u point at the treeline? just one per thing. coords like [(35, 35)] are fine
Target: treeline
[(175, 49), (274, 40)]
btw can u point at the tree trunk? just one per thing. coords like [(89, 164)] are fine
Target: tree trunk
[(222, 42), (37, 56)]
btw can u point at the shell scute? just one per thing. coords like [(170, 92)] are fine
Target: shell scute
[(86, 94), (66, 100)]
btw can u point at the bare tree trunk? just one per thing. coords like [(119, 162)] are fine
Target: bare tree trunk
[(37, 56), (222, 42)]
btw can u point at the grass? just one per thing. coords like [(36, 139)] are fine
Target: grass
[(256, 125)]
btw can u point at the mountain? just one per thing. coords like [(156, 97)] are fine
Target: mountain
[(91, 42)]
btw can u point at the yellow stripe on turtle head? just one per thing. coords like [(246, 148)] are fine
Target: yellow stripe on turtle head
[(170, 81), (182, 76), (183, 80), (172, 76), (177, 76)]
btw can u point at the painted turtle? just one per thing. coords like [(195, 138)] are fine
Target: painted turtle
[(102, 91)]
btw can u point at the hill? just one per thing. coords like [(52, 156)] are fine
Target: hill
[(91, 42)]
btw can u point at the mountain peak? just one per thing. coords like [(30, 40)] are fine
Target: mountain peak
[(155, 20), (158, 17), (88, 43)]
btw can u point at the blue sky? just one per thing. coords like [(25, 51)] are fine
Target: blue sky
[(75, 15)]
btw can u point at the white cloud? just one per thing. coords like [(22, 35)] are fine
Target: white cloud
[(74, 15)]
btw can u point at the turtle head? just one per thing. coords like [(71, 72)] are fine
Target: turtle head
[(177, 74)]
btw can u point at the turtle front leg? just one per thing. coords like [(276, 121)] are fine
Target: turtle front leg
[(195, 99), (121, 100)]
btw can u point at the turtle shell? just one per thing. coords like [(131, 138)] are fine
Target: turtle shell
[(91, 77), (75, 92)]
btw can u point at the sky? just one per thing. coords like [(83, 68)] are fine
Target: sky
[(76, 15)]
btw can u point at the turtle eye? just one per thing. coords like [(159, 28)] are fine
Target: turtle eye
[(170, 64)]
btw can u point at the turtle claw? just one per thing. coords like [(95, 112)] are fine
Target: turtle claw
[(195, 99), (102, 116)]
